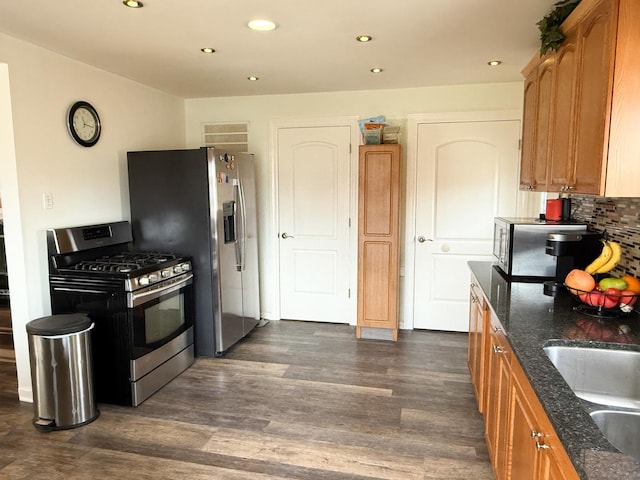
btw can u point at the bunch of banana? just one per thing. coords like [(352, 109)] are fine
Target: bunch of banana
[(608, 258)]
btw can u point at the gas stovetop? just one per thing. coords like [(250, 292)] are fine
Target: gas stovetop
[(103, 252), (126, 262), (135, 269)]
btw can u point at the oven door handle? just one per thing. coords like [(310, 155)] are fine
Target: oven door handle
[(78, 290), (135, 299)]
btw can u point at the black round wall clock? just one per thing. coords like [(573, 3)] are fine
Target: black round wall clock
[(84, 124)]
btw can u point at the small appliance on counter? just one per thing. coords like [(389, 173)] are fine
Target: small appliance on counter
[(571, 250), (558, 209), (519, 246)]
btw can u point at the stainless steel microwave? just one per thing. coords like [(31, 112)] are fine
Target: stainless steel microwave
[(519, 245)]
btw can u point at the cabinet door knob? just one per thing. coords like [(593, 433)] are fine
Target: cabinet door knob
[(498, 349)]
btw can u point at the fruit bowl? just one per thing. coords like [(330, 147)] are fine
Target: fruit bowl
[(604, 304)]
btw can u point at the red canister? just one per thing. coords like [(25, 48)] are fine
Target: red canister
[(554, 209)]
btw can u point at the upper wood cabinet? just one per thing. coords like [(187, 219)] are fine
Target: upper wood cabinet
[(596, 32), (561, 159), (378, 237), (536, 138), (528, 150), (590, 129)]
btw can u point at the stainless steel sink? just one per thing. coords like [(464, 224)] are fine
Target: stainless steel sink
[(606, 377), (621, 429)]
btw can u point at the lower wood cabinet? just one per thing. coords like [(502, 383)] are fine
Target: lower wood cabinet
[(521, 441), (498, 387), (477, 316), (537, 451)]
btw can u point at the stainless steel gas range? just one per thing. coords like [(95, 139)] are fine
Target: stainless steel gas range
[(140, 302)]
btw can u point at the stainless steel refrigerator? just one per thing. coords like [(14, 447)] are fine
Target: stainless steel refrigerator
[(202, 203)]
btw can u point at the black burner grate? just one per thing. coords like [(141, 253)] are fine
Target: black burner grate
[(124, 262)]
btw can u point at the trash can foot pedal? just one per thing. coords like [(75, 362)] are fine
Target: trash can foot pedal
[(44, 424)]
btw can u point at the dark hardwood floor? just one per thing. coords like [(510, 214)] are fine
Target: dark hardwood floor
[(295, 400)]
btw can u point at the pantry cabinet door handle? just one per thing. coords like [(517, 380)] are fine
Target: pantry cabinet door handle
[(498, 349)]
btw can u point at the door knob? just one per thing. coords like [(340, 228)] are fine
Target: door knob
[(422, 239), (285, 236)]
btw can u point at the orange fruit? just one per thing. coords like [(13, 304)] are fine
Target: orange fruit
[(633, 283), (579, 280)]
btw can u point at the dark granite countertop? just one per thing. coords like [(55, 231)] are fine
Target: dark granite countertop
[(532, 320)]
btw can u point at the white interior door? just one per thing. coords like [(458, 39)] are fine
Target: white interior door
[(314, 205), (466, 174)]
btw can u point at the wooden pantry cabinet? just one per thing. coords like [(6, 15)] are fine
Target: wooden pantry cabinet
[(378, 237), (586, 124), (521, 441)]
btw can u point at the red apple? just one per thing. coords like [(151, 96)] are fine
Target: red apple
[(595, 298), (628, 297), (611, 297)]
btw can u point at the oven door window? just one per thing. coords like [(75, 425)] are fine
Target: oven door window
[(164, 318), (160, 320)]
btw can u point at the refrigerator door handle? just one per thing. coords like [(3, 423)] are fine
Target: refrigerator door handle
[(243, 221), (239, 225)]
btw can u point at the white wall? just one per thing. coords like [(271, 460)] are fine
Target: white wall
[(259, 111), (89, 185)]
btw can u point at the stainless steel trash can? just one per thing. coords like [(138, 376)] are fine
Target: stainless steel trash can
[(61, 371)]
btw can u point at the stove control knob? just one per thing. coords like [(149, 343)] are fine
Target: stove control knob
[(165, 273), (186, 267), (143, 280), (177, 269), (153, 277)]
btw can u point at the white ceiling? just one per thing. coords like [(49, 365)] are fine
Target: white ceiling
[(417, 42)]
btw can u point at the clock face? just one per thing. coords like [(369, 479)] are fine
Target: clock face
[(84, 124)]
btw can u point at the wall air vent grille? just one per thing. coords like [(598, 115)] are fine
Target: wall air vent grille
[(230, 137)]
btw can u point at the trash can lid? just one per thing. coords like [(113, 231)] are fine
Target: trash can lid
[(59, 324)]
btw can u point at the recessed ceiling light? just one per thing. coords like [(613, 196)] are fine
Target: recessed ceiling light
[(494, 63), (133, 3), (376, 70), (364, 38), (261, 25), (252, 78), (207, 50)]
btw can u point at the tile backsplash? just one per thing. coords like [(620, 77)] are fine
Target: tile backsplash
[(620, 217)]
